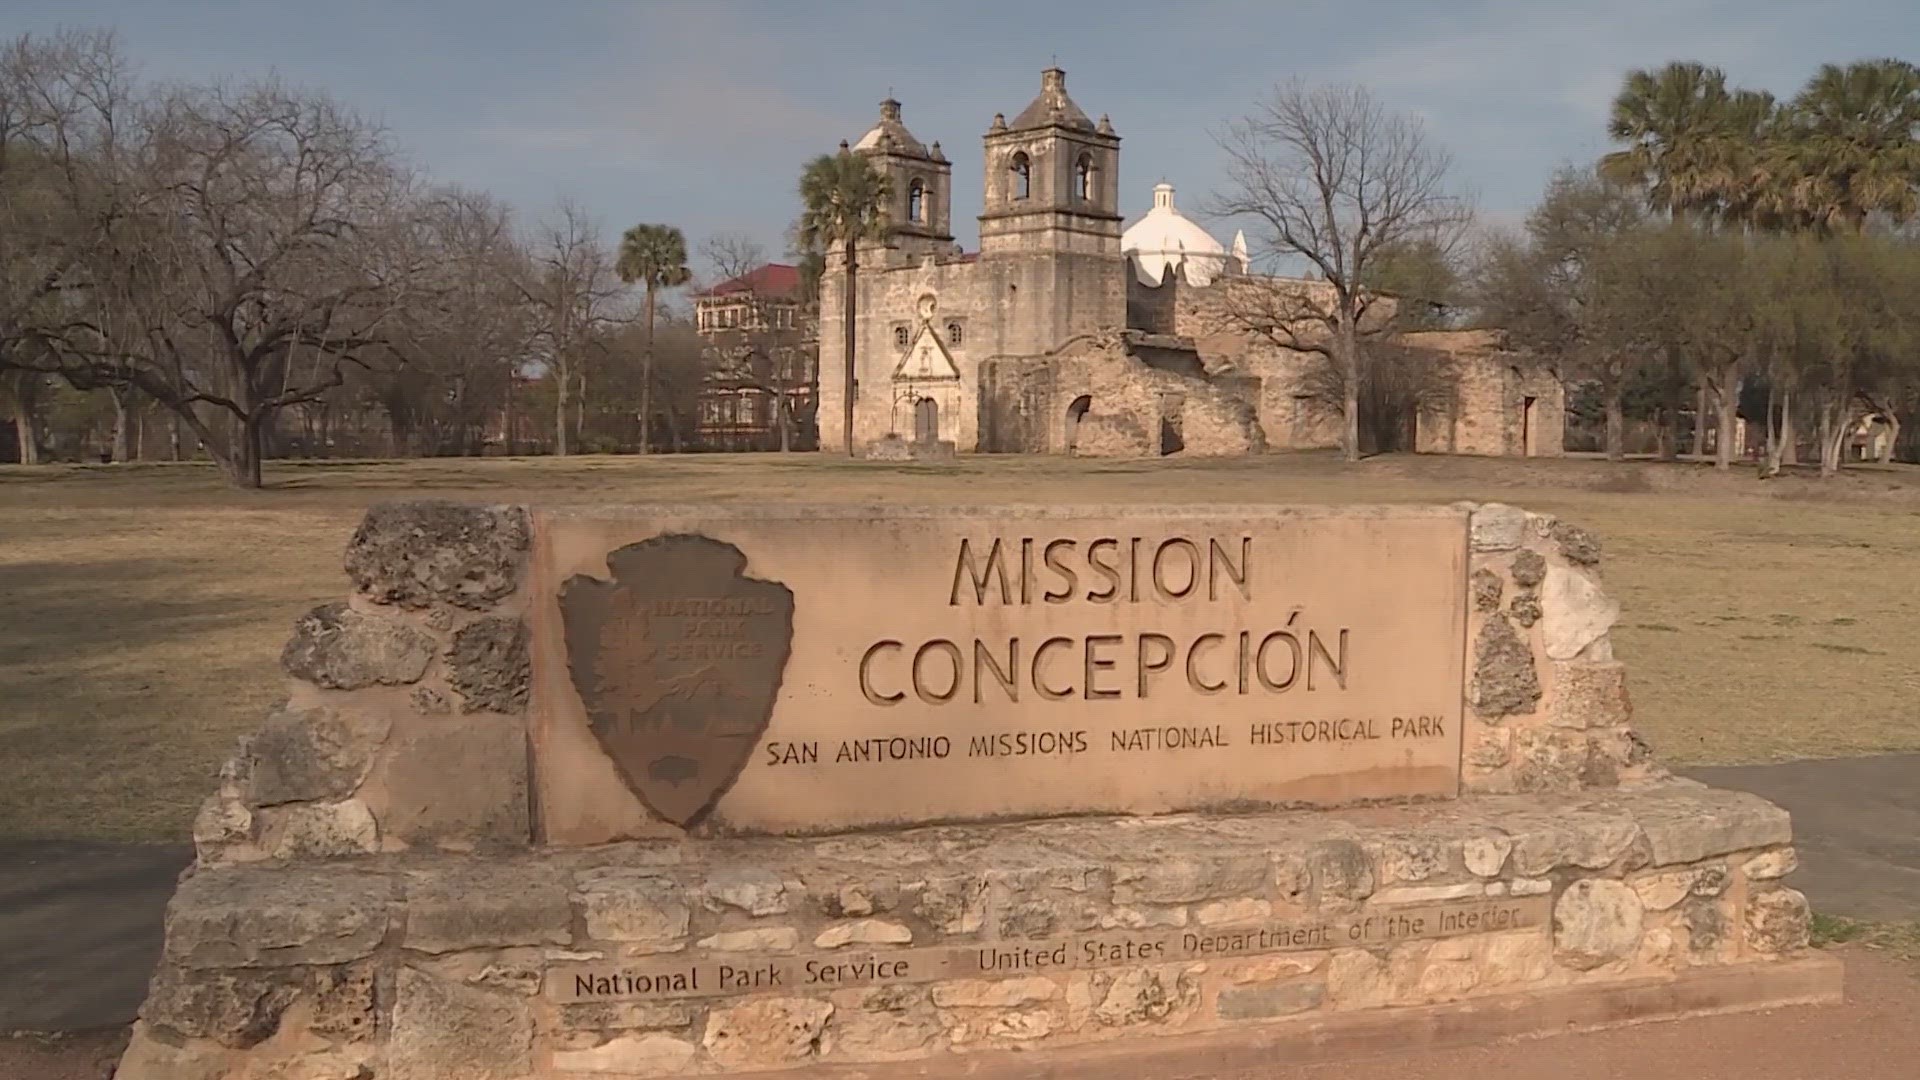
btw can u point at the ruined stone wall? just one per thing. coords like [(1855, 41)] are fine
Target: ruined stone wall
[(1490, 412)]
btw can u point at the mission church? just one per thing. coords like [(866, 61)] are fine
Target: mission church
[(1065, 333)]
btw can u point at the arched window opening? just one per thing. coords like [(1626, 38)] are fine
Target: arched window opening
[(1083, 179), (1022, 176), (954, 333), (917, 203), (1076, 412), (899, 337)]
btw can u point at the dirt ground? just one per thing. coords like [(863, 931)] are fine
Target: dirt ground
[(1871, 1037), (147, 604)]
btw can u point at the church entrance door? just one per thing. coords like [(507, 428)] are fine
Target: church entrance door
[(926, 421)]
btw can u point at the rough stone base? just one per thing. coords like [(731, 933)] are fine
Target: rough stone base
[(939, 950)]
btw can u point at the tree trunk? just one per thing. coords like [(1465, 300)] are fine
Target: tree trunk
[(1829, 441), (1344, 339), (1616, 421), (1729, 395), (580, 409), (1770, 451), (1789, 439), (241, 460), (506, 417), (646, 380), (26, 432), (1700, 422), (1893, 436), (173, 439), (563, 383), (847, 323)]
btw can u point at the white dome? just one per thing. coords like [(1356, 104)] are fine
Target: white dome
[(1166, 238)]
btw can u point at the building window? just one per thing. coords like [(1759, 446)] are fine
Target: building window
[(899, 337), (954, 333), (1022, 175), (917, 203), (1083, 178)]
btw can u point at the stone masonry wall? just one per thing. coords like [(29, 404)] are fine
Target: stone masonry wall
[(432, 967), (367, 904), (404, 726)]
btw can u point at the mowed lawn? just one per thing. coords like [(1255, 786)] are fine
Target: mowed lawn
[(145, 606)]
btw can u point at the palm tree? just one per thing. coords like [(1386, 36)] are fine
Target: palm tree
[(1673, 122), (655, 255), (844, 201), (1854, 136)]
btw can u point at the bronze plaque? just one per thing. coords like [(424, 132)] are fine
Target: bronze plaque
[(678, 660)]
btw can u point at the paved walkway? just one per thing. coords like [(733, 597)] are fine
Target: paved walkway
[(80, 923)]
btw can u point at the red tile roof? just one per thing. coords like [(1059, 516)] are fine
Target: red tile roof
[(776, 280)]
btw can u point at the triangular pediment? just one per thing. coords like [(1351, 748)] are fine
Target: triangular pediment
[(927, 358)]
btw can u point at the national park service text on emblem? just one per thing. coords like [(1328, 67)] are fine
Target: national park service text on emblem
[(678, 661)]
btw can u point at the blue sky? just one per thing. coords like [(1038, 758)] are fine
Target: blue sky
[(700, 112)]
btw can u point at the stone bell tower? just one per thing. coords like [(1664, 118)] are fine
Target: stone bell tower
[(920, 179), (1050, 236), (1052, 178)]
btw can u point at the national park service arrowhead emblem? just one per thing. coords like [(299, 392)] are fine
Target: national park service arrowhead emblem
[(678, 660)]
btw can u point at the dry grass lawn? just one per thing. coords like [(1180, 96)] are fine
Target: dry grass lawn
[(145, 605)]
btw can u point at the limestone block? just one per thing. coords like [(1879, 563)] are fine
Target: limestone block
[(1292, 874), (1709, 930), (148, 1057), (1777, 921), (494, 907), (994, 993), (342, 1002), (1414, 857), (413, 554), (1231, 912), (446, 1031), (1274, 968), (1515, 958), (1504, 682), (1486, 855), (1664, 890), (429, 702), (1044, 916), (1590, 840), (759, 939), (1497, 527), (1553, 759), (756, 892), (1529, 569), (1486, 587), (488, 666), (880, 1036), (319, 830), (1575, 612), (1341, 869), (1769, 865), (258, 916), (1525, 609), (1590, 695), (1596, 921), (626, 1015), (651, 1054), (863, 932), (852, 900), (240, 1008), (304, 755), (1133, 918), (1021, 1026), (221, 822), (1428, 894), (460, 779), (1696, 824), (1576, 545), (953, 905), (1529, 886), (635, 907), (342, 649), (1138, 996), (766, 1033), (1179, 880), (1491, 749)]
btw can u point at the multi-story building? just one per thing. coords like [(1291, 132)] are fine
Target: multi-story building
[(761, 359)]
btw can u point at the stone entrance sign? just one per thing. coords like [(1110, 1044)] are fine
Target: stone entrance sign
[(806, 670), (887, 783)]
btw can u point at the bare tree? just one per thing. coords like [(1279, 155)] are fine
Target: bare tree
[(732, 255), (1329, 176), (573, 291)]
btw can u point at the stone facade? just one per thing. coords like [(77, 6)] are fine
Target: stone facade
[(369, 898), (952, 346)]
